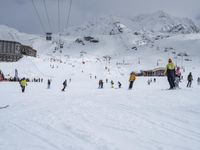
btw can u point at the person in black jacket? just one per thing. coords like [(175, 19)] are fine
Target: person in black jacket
[(189, 78), (48, 83), (64, 85), (119, 84)]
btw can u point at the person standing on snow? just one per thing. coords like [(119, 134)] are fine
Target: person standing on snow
[(131, 80), (119, 84), (23, 84), (177, 77), (64, 85), (48, 83), (189, 78), (170, 72), (198, 81), (100, 84), (112, 83)]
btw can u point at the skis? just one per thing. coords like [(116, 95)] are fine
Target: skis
[(2, 107), (177, 88)]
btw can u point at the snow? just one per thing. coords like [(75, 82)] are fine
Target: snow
[(87, 118), (84, 117)]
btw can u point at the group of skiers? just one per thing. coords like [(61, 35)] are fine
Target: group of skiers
[(149, 81), (111, 82)]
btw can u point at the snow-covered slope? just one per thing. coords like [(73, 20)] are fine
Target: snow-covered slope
[(87, 118)]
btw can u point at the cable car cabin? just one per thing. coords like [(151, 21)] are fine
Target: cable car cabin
[(48, 36), (61, 45)]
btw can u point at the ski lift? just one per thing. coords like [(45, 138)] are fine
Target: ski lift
[(48, 36), (61, 44)]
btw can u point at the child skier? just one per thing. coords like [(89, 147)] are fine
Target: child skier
[(177, 77)]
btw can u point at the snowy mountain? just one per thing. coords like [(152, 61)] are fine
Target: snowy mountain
[(155, 22), (163, 22)]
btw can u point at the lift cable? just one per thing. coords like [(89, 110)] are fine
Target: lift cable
[(47, 15), (68, 16), (59, 16), (38, 15)]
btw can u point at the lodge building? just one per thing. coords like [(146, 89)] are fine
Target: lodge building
[(11, 51)]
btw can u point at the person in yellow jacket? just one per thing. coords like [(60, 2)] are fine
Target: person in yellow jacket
[(170, 73), (131, 80), (23, 84)]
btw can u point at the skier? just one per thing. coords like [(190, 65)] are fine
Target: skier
[(100, 84), (170, 72), (64, 85), (112, 83), (106, 80), (177, 77), (189, 78), (131, 80), (23, 84), (198, 81), (48, 83), (119, 84), (149, 82)]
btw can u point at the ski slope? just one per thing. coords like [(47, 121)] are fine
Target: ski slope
[(85, 117), (148, 117)]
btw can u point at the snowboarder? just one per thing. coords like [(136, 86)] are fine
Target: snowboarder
[(131, 80), (170, 72), (23, 84), (112, 83), (198, 81), (177, 77), (189, 78), (64, 85), (48, 83), (154, 80), (119, 84)]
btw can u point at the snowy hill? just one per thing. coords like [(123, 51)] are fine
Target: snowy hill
[(163, 22)]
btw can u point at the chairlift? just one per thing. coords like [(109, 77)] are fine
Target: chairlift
[(48, 36)]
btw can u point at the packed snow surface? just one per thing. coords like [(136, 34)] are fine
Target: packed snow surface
[(84, 117)]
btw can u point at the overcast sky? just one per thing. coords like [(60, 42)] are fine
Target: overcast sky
[(21, 15)]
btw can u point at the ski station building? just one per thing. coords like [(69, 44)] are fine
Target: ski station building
[(11, 51)]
